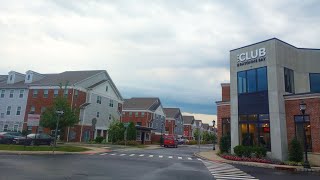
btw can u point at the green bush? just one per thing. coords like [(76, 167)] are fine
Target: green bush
[(239, 150), (259, 151), (225, 144), (192, 142), (295, 151), (99, 139), (247, 151)]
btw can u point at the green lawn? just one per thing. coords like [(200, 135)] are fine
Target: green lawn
[(42, 148)]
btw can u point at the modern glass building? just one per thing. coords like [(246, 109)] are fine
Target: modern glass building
[(268, 80)]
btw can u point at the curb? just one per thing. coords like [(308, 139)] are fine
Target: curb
[(262, 165)]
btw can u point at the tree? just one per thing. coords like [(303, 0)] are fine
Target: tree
[(196, 134), (295, 151), (69, 118), (131, 132), (225, 144), (116, 131)]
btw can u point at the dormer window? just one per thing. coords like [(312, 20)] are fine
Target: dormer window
[(28, 77), (11, 77)]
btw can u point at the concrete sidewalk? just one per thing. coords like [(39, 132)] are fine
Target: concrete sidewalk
[(93, 150), (212, 156)]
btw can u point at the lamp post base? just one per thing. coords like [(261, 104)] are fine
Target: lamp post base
[(306, 165)]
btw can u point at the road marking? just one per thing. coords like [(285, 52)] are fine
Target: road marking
[(112, 154), (151, 156), (199, 159), (103, 154), (160, 156), (170, 157), (189, 158), (131, 154), (179, 157), (122, 154), (141, 155)]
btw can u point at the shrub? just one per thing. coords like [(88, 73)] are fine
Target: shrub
[(247, 151), (98, 139), (259, 151), (239, 150), (295, 151), (192, 142), (225, 144)]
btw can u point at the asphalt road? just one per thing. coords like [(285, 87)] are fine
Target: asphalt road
[(158, 164)]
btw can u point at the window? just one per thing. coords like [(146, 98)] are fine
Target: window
[(130, 114), (142, 114), (253, 80), (18, 110), (65, 93), (28, 77), (43, 109), (110, 117), (32, 109), (300, 127), (55, 93), (2, 93), (107, 88), (76, 93), (98, 114), (35, 93), (99, 99), (138, 136), (2, 115), (5, 127), (11, 93), (254, 130), (21, 93), (136, 114), (8, 110), (15, 127), (139, 123), (11, 77), (288, 80), (45, 93), (314, 82), (262, 79), (147, 136), (111, 103), (123, 113)]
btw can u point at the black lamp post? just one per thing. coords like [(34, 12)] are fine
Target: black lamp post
[(303, 107), (161, 137), (213, 125)]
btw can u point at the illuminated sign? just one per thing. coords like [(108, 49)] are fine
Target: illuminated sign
[(255, 56)]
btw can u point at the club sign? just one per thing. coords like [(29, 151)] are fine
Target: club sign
[(255, 56)]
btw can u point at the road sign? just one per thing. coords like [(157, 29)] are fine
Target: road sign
[(33, 120)]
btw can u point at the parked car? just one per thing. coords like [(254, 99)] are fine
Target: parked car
[(183, 140), (8, 137), (170, 141), (35, 139)]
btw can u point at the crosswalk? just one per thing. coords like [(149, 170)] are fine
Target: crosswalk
[(223, 171), (149, 156)]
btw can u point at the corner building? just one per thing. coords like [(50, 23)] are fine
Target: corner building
[(268, 80)]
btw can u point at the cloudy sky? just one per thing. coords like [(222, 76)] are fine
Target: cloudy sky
[(172, 49)]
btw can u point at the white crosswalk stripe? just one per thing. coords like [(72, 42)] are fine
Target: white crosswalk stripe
[(170, 157), (225, 171), (131, 155), (141, 155), (122, 154), (160, 156), (189, 158), (103, 154), (150, 155), (112, 154), (179, 157)]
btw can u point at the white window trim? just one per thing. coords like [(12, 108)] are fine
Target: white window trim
[(11, 93), (9, 111), (19, 111), (4, 126)]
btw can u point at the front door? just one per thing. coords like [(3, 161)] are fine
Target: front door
[(142, 137)]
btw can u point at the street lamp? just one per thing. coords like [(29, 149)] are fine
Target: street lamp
[(59, 113), (213, 125), (161, 138), (303, 107)]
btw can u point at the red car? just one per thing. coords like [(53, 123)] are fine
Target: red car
[(170, 141)]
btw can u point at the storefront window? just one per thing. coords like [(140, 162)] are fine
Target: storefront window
[(301, 127), (262, 79), (254, 130), (242, 82), (253, 80)]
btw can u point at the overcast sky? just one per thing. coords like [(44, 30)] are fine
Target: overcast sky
[(172, 49)]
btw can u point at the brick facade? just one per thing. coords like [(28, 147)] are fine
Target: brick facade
[(143, 119), (170, 126), (223, 111), (225, 92), (187, 131), (313, 110)]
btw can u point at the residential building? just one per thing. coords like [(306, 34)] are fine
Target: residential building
[(148, 116), (93, 92), (13, 101), (188, 122), (205, 127), (268, 81), (174, 121)]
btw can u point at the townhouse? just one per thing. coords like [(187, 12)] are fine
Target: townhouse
[(148, 116), (188, 122), (174, 121), (269, 81), (93, 92)]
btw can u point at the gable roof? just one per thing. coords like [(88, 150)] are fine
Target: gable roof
[(4, 84), (137, 103), (205, 126), (171, 112), (188, 119)]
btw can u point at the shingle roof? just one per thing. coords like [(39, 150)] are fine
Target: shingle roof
[(141, 104), (3, 83), (171, 112), (188, 119), (205, 126), (71, 77)]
